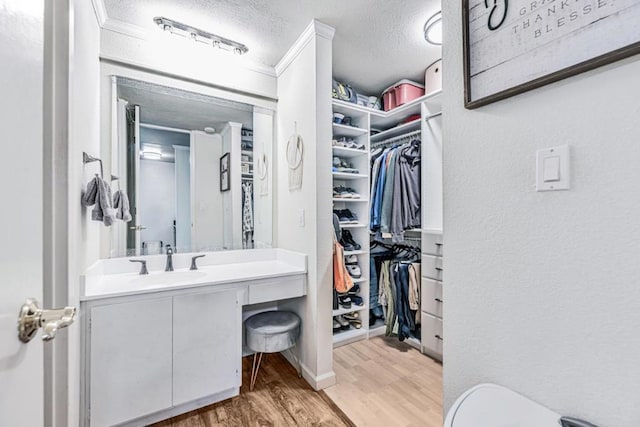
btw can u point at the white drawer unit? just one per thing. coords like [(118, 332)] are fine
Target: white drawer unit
[(432, 297), (432, 337), (432, 244), (432, 267)]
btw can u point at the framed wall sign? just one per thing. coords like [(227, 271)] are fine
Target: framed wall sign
[(225, 182), (512, 46)]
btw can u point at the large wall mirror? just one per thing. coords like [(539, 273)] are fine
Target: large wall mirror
[(195, 170)]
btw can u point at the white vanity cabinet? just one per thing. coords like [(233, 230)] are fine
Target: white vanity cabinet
[(207, 344), (154, 354), (130, 360)]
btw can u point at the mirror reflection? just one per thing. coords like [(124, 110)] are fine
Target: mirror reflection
[(188, 163)]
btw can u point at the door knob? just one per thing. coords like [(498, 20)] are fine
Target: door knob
[(32, 318)]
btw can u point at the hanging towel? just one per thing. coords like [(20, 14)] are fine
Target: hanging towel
[(121, 206), (98, 193)]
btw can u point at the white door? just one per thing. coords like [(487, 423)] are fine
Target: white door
[(21, 121)]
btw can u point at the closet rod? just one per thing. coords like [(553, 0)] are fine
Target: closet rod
[(165, 128), (396, 138), (433, 116)]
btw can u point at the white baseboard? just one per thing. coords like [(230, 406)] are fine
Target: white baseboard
[(318, 382)]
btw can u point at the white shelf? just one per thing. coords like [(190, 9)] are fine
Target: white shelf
[(343, 130), (387, 119), (348, 153), (349, 336), (248, 152), (349, 200), (348, 225), (358, 252), (349, 108), (379, 328), (247, 175), (246, 162), (397, 131), (353, 308), (349, 176), (360, 280)]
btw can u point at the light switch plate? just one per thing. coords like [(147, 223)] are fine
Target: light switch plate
[(553, 169)]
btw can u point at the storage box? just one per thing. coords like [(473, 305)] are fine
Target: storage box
[(433, 77), (407, 91), (400, 93), (389, 98)]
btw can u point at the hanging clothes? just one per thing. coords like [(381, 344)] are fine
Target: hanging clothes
[(398, 290), (247, 215), (395, 190)]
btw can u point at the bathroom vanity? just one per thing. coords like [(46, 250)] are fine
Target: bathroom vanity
[(162, 344)]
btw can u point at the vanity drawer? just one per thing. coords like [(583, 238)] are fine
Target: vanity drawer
[(432, 244), (432, 267), (277, 289), (432, 339), (432, 297)]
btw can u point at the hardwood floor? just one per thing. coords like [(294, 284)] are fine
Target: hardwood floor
[(382, 382), (279, 398)]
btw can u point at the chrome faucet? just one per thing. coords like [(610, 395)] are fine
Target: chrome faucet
[(169, 265)]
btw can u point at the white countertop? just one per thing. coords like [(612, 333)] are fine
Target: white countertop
[(114, 277)]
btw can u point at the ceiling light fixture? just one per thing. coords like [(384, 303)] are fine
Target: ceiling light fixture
[(198, 35), (433, 29)]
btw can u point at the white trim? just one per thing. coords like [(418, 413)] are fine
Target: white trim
[(138, 32), (314, 28), (319, 382), (125, 28), (100, 10)]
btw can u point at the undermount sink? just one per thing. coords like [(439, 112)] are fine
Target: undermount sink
[(168, 277)]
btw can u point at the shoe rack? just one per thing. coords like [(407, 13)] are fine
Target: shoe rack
[(359, 159), (391, 124)]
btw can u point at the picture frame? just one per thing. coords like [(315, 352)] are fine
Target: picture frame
[(225, 172), (514, 46)]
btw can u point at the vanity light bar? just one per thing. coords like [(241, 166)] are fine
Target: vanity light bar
[(198, 35)]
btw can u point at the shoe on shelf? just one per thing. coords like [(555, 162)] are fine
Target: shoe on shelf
[(351, 316), (336, 326), (354, 271), (348, 238), (354, 290), (341, 192), (356, 323), (344, 300), (351, 260), (347, 246), (344, 323), (352, 193), (345, 216), (357, 300)]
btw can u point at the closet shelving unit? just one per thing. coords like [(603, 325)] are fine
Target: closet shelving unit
[(392, 124)]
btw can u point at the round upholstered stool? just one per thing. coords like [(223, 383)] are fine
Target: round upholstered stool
[(271, 332)]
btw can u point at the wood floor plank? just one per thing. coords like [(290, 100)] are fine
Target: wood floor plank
[(279, 399), (383, 382)]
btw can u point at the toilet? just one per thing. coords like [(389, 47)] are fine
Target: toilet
[(491, 405)]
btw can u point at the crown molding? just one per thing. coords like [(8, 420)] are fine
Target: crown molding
[(315, 28), (100, 10)]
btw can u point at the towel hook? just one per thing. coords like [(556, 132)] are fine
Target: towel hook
[(86, 158)]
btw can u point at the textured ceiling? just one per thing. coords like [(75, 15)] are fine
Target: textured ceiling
[(175, 108), (377, 42)]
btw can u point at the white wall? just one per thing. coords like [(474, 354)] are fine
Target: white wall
[(232, 199), (183, 198), (178, 56), (541, 289), (304, 97), (157, 208), (263, 136), (206, 198), (85, 236)]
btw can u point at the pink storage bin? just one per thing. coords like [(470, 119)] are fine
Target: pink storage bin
[(407, 91), (389, 98)]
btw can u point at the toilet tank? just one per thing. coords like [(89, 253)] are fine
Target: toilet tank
[(490, 405)]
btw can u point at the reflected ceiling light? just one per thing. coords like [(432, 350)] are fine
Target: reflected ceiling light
[(151, 155), (433, 29), (209, 129), (198, 35)]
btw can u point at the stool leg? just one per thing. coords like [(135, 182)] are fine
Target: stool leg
[(254, 370), (299, 368)]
